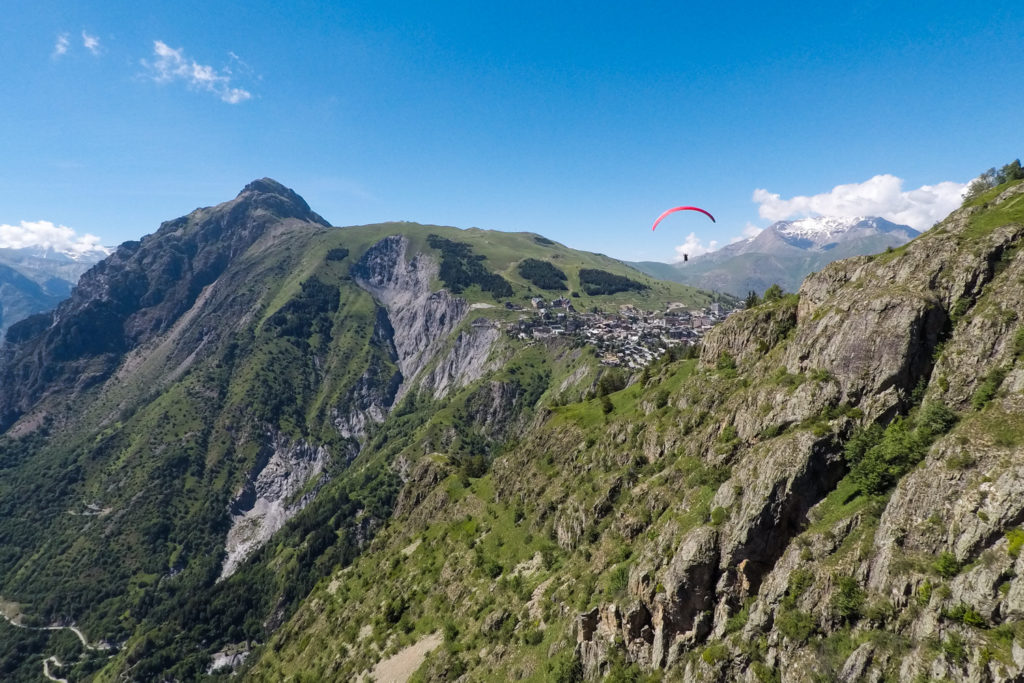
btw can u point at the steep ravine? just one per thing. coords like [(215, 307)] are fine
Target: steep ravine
[(267, 499), (421, 319)]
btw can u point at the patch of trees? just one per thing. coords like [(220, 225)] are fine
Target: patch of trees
[(480, 426), (18, 648), (994, 178), (532, 385), (611, 380), (337, 254), (772, 294), (543, 240), (681, 352), (542, 274), (198, 614), (596, 282), (309, 312), (879, 457), (461, 268)]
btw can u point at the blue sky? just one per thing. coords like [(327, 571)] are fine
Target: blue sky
[(578, 120)]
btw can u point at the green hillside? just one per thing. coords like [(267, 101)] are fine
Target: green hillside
[(123, 460), (504, 251)]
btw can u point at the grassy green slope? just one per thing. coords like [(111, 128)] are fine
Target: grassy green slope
[(504, 251), (329, 533), (99, 514), (115, 519)]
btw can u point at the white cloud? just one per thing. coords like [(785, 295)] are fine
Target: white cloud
[(91, 43), (46, 234), (750, 231), (235, 95), (882, 196), (240, 66), (61, 46), (173, 65), (692, 247)]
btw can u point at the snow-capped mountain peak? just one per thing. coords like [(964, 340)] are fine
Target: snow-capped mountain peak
[(819, 231), (79, 253), (786, 251), (44, 239), (818, 225)]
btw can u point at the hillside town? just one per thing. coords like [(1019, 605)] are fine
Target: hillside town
[(628, 337)]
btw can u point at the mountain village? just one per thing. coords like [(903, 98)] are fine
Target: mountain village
[(628, 338)]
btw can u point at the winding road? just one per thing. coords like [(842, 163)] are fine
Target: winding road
[(46, 669), (15, 620)]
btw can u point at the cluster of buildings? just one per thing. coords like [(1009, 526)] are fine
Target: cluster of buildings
[(629, 337)]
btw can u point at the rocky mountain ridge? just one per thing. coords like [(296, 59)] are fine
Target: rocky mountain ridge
[(881, 345), (137, 293)]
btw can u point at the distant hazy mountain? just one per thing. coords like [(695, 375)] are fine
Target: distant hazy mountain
[(35, 279), (783, 253)]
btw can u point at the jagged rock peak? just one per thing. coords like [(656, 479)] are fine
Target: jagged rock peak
[(267, 193), (269, 186)]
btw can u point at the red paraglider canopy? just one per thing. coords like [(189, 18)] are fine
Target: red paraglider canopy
[(682, 208)]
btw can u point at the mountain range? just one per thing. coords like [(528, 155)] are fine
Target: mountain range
[(255, 445), (783, 253), (36, 279)]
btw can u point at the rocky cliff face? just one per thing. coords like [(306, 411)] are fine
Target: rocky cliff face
[(371, 397), (414, 325), (422, 320), (879, 334), (466, 361)]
